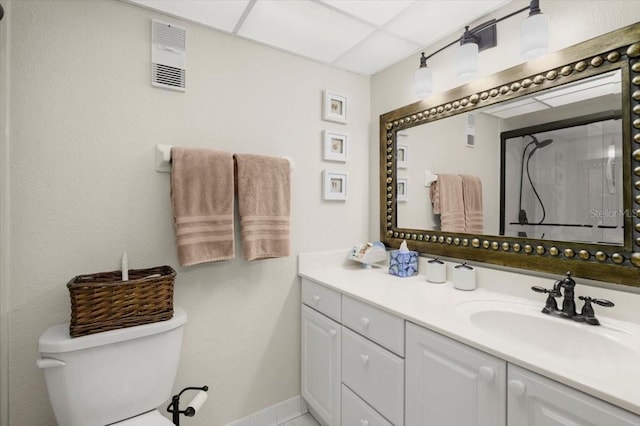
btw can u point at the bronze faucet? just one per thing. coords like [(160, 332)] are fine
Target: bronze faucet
[(568, 303)]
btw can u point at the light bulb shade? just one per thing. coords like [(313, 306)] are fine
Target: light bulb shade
[(423, 82), (467, 61), (534, 36)]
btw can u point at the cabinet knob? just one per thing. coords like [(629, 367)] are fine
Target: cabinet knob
[(516, 387), (333, 333), (316, 298), (365, 321), (364, 422), (487, 373), (364, 358)]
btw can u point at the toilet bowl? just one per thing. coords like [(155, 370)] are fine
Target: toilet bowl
[(115, 377)]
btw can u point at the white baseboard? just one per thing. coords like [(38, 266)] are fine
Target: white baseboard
[(275, 415)]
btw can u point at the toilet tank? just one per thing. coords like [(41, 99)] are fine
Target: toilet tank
[(107, 377)]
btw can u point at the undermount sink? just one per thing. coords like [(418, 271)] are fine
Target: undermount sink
[(525, 325)]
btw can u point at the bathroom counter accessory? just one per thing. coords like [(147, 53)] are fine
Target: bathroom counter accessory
[(441, 308), (163, 159), (103, 301), (368, 254)]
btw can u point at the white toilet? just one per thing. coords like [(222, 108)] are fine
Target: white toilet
[(114, 377)]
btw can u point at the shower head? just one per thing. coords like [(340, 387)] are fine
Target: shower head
[(539, 144), (522, 214), (544, 143)]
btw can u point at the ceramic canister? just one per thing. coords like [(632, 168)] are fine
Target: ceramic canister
[(464, 277), (436, 271)]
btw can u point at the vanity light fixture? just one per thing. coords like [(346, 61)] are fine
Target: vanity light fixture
[(423, 79), (467, 56), (534, 33), (533, 40)]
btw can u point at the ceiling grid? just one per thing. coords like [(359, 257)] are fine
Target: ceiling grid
[(361, 36)]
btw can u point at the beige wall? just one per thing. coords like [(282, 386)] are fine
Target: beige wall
[(4, 218), (570, 22), (83, 128)]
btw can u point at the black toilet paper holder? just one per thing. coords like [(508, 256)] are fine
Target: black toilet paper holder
[(174, 406)]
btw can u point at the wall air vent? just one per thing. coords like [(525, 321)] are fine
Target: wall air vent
[(168, 56)]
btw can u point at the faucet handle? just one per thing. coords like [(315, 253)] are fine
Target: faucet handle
[(550, 305), (602, 302), (539, 289), (555, 292), (587, 314)]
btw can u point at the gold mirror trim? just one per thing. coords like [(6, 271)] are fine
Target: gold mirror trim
[(617, 264)]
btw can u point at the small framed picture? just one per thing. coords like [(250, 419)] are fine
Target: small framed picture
[(403, 189), (402, 156), (335, 146), (335, 107), (335, 185)]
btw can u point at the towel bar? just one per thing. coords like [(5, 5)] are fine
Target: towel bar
[(429, 178), (163, 158)]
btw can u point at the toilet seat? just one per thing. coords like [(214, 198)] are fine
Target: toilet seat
[(152, 418)]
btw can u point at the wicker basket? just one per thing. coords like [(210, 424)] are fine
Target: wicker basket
[(102, 302)]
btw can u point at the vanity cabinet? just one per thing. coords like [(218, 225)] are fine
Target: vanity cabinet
[(534, 400), (352, 360), (449, 383), (321, 369), (362, 366)]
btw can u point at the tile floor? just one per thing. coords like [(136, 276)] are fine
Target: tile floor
[(305, 420)]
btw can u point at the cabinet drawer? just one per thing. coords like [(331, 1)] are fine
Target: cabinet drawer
[(356, 412), (321, 299), (374, 323), (374, 374)]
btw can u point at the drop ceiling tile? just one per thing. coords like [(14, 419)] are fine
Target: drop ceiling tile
[(518, 108), (376, 12), (220, 14), (426, 22), (303, 27), (376, 53)]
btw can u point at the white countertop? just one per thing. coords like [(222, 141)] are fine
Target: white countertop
[(436, 307)]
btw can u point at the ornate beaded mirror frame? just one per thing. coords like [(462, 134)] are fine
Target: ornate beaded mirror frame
[(618, 50)]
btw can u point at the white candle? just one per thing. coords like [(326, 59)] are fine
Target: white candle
[(125, 267)]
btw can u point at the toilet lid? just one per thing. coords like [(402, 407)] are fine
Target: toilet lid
[(152, 418)]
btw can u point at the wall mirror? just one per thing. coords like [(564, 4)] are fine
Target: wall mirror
[(566, 125)]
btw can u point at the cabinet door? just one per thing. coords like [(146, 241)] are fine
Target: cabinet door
[(537, 401), (320, 359), (451, 384)]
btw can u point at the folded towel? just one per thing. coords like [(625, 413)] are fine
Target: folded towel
[(202, 198), (264, 203), (472, 194), (448, 202)]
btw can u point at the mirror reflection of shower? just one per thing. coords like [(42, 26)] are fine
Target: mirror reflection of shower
[(522, 214), (560, 180)]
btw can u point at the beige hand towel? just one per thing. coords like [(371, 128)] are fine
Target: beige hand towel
[(446, 196), (472, 194), (202, 198), (264, 202)]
